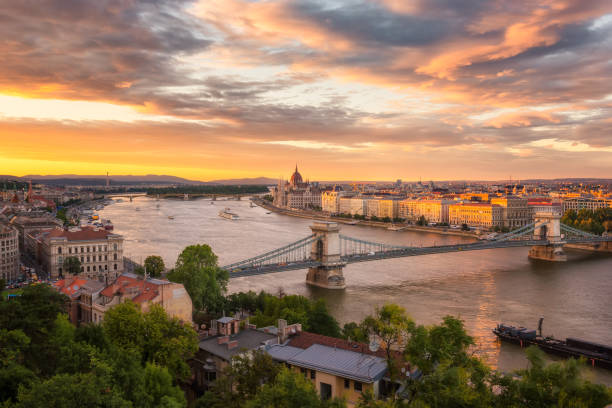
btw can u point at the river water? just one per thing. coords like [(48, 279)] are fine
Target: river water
[(481, 287)]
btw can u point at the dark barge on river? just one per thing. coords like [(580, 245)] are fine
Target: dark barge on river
[(597, 355)]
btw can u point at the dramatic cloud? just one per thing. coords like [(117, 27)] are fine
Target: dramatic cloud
[(433, 85)]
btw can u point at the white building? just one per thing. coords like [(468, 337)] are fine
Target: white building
[(9, 253)]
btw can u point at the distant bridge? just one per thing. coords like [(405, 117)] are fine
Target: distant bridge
[(326, 252)]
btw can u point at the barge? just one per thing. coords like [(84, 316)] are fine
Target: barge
[(597, 355)]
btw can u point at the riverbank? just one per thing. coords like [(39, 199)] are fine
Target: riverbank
[(313, 215)]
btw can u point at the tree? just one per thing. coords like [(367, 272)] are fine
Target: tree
[(206, 283), (155, 336), (154, 265), (241, 381), (354, 332), (321, 321), (554, 385), (450, 376), (390, 324), (72, 265), (465, 227), (289, 390), (422, 221), (159, 388)]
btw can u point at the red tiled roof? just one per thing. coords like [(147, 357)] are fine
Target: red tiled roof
[(82, 234), (304, 340), (142, 290), (70, 286)]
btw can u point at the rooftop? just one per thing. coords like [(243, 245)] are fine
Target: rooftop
[(85, 233), (344, 363), (248, 339)]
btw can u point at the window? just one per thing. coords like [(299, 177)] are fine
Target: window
[(59, 271), (82, 259), (303, 371), (82, 269), (88, 269), (94, 268), (106, 257), (99, 258), (88, 258), (347, 383), (115, 257), (82, 249), (87, 249), (59, 250), (115, 246), (70, 250), (94, 249), (357, 386), (115, 266), (313, 374)]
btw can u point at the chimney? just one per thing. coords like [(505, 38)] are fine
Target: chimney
[(282, 330), (232, 344), (223, 340)]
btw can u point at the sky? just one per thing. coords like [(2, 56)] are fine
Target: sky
[(347, 89)]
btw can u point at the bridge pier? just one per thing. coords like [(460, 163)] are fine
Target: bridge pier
[(548, 227), (326, 250)]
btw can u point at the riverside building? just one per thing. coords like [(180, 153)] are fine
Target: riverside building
[(296, 193), (476, 215), (433, 210), (515, 211)]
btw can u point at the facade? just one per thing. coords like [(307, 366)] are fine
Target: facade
[(515, 211), (296, 193), (9, 253), (580, 203), (83, 293), (433, 210), (388, 208), (353, 205), (330, 201), (476, 215), (145, 292), (99, 251)]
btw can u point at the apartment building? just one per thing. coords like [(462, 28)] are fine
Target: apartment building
[(591, 204), (433, 210), (353, 205), (330, 201), (9, 253), (145, 292), (476, 214), (515, 211), (99, 251)]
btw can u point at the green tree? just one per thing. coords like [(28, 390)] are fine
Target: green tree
[(93, 389), (160, 390), (206, 283), (391, 326), (155, 336), (450, 375), (554, 385), (290, 390), (354, 332), (72, 265), (154, 265), (241, 381), (321, 321)]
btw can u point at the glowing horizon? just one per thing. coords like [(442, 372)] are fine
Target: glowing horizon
[(352, 89)]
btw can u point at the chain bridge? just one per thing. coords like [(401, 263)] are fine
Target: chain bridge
[(326, 252)]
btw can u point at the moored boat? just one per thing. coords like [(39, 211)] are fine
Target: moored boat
[(598, 355)]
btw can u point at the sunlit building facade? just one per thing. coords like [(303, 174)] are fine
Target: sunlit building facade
[(9, 253), (479, 215)]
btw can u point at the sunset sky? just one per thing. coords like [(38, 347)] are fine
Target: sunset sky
[(348, 89)]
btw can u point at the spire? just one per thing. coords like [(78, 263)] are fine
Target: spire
[(296, 167)]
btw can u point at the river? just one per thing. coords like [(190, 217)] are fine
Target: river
[(481, 287)]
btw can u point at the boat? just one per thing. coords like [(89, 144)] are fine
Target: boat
[(597, 355), (228, 215), (171, 217)]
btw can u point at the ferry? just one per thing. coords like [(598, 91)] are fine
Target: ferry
[(597, 355), (171, 217), (228, 215)]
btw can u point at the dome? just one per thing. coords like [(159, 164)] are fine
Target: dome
[(296, 177)]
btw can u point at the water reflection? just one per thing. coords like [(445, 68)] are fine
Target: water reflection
[(482, 287)]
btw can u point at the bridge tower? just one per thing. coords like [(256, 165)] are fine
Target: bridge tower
[(326, 250), (548, 227)]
